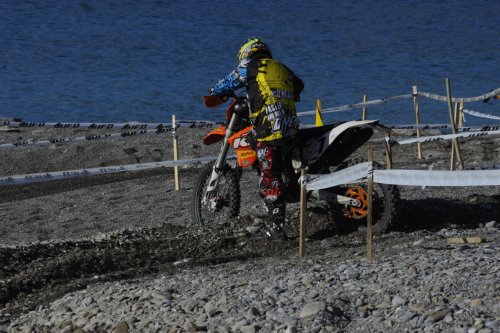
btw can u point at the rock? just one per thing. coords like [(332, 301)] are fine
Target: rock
[(413, 270), (252, 312), (249, 329), (406, 316), (252, 229), (183, 261), (438, 315), (418, 243), (121, 327), (209, 306), (189, 327), (312, 309), (476, 303), (158, 296), (456, 240), (485, 330), (398, 301), (491, 224)]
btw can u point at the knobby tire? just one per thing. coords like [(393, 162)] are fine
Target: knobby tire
[(229, 190)]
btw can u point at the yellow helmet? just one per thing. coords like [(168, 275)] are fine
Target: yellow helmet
[(253, 47)]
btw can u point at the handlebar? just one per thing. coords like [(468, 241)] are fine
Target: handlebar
[(213, 101)]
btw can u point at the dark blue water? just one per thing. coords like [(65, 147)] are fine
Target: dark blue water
[(113, 61)]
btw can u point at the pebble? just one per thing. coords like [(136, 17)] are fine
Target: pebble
[(312, 309), (397, 301), (491, 224), (121, 327), (414, 289)]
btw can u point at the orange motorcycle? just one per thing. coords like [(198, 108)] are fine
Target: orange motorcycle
[(324, 149)]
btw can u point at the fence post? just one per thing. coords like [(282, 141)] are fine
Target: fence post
[(365, 109), (319, 117), (176, 167), (461, 114), (303, 213), (388, 150), (455, 120), (455, 144), (369, 234), (417, 119)]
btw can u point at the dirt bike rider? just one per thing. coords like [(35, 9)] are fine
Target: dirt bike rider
[(272, 90)]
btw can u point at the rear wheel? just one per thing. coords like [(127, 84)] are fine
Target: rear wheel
[(384, 209), (224, 202)]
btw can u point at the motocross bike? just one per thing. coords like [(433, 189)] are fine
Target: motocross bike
[(324, 149)]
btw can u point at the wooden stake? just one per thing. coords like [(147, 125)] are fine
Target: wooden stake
[(455, 113), (456, 145), (303, 214), (319, 117), (369, 234), (417, 119), (388, 150), (365, 109), (176, 168), (461, 114), (455, 120)]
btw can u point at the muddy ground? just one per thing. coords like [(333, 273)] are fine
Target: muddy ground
[(60, 236)]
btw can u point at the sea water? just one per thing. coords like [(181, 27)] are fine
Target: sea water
[(123, 60)]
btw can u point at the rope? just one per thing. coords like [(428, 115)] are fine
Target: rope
[(481, 115), (460, 99)]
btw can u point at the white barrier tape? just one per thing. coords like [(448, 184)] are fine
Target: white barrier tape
[(46, 176), (86, 138), (198, 123), (129, 125), (460, 99), (421, 126), (481, 115), (357, 105), (344, 176), (446, 126), (437, 177), (472, 130), (489, 167), (447, 137), (359, 172), (483, 128)]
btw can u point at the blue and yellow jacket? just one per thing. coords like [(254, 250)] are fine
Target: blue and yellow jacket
[(272, 90)]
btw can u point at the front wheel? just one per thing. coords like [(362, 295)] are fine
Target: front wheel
[(384, 206), (224, 202)]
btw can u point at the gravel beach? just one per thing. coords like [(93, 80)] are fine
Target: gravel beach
[(118, 252)]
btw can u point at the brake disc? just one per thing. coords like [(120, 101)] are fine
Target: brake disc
[(360, 195)]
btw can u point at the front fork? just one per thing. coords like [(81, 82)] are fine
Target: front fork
[(210, 196)]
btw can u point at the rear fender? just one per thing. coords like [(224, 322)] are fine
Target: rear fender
[(317, 149)]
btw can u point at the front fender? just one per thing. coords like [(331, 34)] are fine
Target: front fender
[(215, 135)]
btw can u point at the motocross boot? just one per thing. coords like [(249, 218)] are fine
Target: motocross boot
[(276, 219)]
